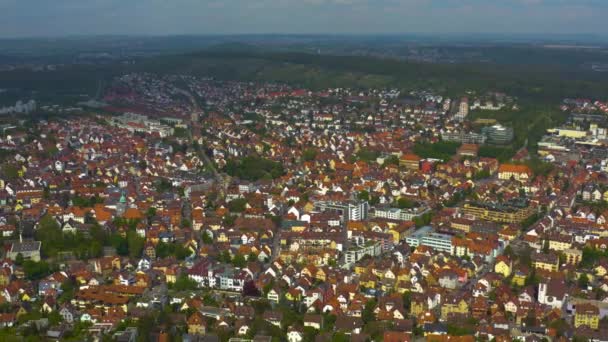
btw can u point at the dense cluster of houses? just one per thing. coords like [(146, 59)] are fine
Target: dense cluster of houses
[(107, 220)]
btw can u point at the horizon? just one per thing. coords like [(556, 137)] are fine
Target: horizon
[(66, 18)]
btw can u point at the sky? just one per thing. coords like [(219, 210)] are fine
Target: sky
[(36, 18)]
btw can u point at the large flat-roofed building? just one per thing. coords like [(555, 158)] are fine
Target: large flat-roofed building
[(398, 214), (464, 137), (507, 212), (354, 254), (350, 211), (426, 236), (499, 134)]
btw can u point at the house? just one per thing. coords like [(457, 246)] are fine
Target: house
[(196, 324), (410, 161), (396, 336), (295, 334), (552, 293), (547, 262), (66, 314), (453, 305), (503, 266), (573, 256), (515, 171), (29, 250), (242, 327), (448, 279), (313, 321), (349, 325), (5, 276), (7, 320), (273, 295), (587, 315), (273, 317)]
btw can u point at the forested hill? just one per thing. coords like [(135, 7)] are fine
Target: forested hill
[(534, 82), (540, 84)]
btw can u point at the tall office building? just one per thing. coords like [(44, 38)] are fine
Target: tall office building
[(463, 109)]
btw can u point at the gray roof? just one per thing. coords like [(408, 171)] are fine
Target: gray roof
[(25, 246)]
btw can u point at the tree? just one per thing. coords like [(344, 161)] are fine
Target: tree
[(405, 203), (239, 261), (508, 251), (183, 283), (206, 238), (407, 301), (252, 256), (224, 257), (19, 259), (150, 213), (340, 337), (135, 244), (363, 195), (254, 168), (36, 270), (10, 172), (237, 205), (583, 281), (368, 311), (309, 154)]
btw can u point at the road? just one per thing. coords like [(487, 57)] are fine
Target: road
[(220, 179)]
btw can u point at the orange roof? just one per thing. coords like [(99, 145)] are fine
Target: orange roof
[(514, 168), (132, 214), (410, 157)]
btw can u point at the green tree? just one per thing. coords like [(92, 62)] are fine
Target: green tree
[(19, 259), (239, 261), (368, 311), (184, 283), (237, 205), (36, 270), (583, 281), (135, 244), (309, 154), (206, 238), (363, 195), (10, 172), (405, 203)]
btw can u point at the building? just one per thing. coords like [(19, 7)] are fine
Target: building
[(503, 266), (141, 123), (463, 109), (508, 212), (572, 133), (462, 224), (587, 314), (573, 256), (498, 134), (468, 150), (547, 262), (351, 211), (410, 161), (426, 236), (354, 254), (464, 137), (397, 213), (518, 172), (29, 250)]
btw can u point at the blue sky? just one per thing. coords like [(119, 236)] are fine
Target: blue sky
[(20, 18)]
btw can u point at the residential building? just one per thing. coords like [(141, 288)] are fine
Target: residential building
[(588, 315)]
